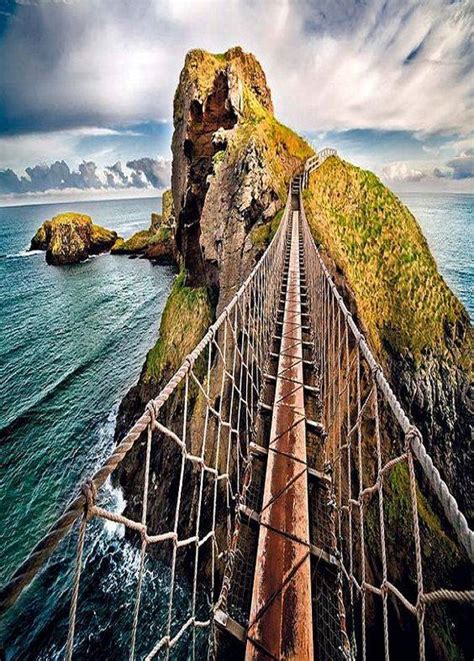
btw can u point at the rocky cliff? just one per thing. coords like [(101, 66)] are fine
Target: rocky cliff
[(157, 243), (232, 161), (70, 238)]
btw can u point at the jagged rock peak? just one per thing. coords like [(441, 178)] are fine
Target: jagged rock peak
[(202, 69), (232, 161)]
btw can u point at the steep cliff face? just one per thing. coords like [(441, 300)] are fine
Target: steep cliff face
[(232, 164), (415, 324)]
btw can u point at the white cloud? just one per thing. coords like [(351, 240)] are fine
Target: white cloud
[(41, 147), (402, 172), (393, 65)]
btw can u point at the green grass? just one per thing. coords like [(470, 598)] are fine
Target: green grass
[(186, 318), (283, 151), (163, 235), (401, 298), (261, 235), (136, 243)]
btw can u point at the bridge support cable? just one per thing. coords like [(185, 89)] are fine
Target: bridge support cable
[(371, 450)]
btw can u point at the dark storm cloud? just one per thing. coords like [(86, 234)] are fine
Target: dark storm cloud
[(154, 171), (145, 172), (461, 167)]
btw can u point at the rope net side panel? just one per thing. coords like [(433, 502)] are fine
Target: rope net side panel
[(387, 496), (203, 421)]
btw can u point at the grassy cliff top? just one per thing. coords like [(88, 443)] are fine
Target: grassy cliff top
[(283, 150), (400, 295), (201, 67), (71, 217)]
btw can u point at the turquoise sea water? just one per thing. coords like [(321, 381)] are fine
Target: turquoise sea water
[(72, 341), (447, 222)]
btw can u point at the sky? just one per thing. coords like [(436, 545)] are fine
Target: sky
[(86, 87)]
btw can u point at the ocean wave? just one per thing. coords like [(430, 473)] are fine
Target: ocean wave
[(23, 253), (61, 384)]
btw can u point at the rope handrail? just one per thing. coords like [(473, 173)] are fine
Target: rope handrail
[(28, 569), (315, 162), (440, 488)]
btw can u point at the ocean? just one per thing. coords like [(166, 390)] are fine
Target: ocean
[(447, 221), (73, 340)]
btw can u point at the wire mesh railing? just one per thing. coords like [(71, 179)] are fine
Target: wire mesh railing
[(203, 422), (392, 507)]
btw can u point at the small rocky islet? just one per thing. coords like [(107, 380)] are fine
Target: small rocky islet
[(70, 238)]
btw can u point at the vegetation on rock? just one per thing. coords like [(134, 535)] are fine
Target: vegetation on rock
[(70, 238), (157, 242), (186, 318), (232, 163), (373, 238), (263, 233)]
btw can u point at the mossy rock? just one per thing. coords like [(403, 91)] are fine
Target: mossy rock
[(72, 237), (262, 234), (137, 243), (186, 318)]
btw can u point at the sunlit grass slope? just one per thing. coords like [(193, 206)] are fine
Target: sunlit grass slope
[(401, 298)]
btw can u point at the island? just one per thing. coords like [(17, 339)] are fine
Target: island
[(70, 238)]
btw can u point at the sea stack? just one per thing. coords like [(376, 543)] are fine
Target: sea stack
[(70, 238), (157, 243)]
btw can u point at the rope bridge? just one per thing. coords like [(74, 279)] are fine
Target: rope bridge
[(211, 422)]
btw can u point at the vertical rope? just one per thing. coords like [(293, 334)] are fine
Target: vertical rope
[(75, 589), (144, 543)]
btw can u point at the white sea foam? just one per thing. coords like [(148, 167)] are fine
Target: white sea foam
[(24, 253), (117, 505)]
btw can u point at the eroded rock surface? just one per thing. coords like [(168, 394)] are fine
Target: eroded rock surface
[(70, 238), (157, 243), (231, 164)]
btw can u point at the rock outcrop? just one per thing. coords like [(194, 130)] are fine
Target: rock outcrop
[(232, 164), (70, 238), (157, 243)]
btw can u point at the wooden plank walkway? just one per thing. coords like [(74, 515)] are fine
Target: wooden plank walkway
[(280, 623)]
